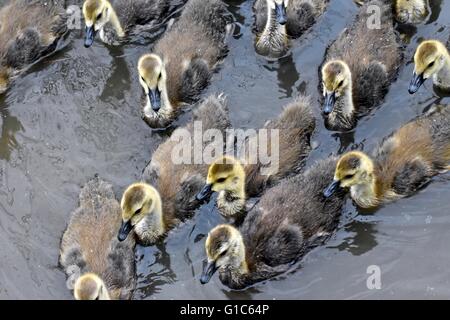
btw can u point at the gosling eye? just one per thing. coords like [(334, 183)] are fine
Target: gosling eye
[(223, 253), (138, 211), (431, 64), (160, 76), (221, 180), (349, 176), (99, 16), (341, 83), (142, 78), (417, 12)]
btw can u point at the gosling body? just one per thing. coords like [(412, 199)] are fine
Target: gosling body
[(29, 31), (102, 266), (278, 21), (175, 183), (116, 21), (431, 61), (236, 180), (402, 164), (183, 61), (358, 69), (289, 220)]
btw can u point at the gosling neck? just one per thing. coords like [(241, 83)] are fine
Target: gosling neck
[(105, 293), (152, 227), (114, 20), (344, 103), (163, 116), (273, 38), (365, 192), (231, 203), (442, 78), (238, 266)]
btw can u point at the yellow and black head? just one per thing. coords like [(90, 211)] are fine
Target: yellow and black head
[(96, 15), (138, 201), (224, 174), (224, 249), (429, 59), (410, 11), (353, 168), (152, 76), (90, 287), (336, 78)]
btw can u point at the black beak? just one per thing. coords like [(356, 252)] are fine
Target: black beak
[(208, 270), (155, 99), (332, 188), (280, 10), (90, 36), (416, 82), (125, 229), (205, 193), (330, 100)]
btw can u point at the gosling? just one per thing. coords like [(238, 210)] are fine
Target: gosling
[(29, 31), (290, 219), (235, 182), (431, 60), (358, 69), (278, 21), (183, 61), (101, 267), (408, 11), (115, 22), (151, 214), (402, 164)]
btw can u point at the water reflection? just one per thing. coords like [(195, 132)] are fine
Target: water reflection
[(153, 275), (119, 80), (287, 74), (361, 238), (10, 127)]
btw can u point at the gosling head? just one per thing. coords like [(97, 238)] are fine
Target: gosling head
[(225, 249), (224, 174), (96, 15), (429, 59), (353, 168), (336, 78), (410, 11), (280, 10), (138, 202), (90, 287), (152, 76)]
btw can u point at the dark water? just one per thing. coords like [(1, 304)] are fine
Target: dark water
[(77, 114)]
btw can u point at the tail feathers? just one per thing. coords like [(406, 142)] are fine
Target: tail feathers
[(213, 113), (297, 114)]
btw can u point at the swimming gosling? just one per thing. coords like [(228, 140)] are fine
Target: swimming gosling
[(358, 69), (29, 31), (168, 194), (115, 21), (401, 165), (431, 60), (407, 11), (235, 181), (102, 266), (183, 61), (278, 21), (288, 221)]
